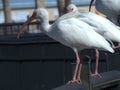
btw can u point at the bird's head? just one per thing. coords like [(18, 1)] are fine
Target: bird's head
[(71, 8), (39, 13)]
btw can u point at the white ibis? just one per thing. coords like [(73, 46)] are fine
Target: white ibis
[(110, 8), (70, 32), (100, 24)]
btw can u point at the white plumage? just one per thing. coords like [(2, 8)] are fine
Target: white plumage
[(71, 32), (110, 8), (100, 24)]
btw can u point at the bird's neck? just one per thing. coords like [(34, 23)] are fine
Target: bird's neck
[(45, 25)]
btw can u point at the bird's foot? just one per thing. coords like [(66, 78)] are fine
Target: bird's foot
[(77, 81), (117, 46), (96, 74)]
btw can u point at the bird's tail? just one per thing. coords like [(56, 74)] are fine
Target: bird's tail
[(108, 46), (110, 49)]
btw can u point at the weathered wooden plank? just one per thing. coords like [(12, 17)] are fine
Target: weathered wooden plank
[(107, 80), (83, 86)]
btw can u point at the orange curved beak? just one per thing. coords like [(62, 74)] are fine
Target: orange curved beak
[(27, 22), (90, 5)]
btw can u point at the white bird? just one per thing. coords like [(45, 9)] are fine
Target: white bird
[(110, 8), (100, 24), (70, 32)]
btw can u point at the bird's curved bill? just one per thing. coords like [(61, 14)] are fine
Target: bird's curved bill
[(27, 22), (91, 4)]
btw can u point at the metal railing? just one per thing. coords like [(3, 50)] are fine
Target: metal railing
[(12, 28)]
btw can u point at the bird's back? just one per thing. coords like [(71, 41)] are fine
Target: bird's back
[(102, 25), (77, 34)]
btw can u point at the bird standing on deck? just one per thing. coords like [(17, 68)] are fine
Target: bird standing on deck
[(70, 32), (100, 24), (110, 8)]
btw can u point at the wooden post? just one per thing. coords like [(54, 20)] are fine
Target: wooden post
[(7, 11), (40, 3), (7, 14), (61, 6), (67, 2)]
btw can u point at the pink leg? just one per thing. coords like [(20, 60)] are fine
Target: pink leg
[(74, 79), (96, 65), (79, 73)]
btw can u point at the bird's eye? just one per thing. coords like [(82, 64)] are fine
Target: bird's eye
[(72, 9)]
